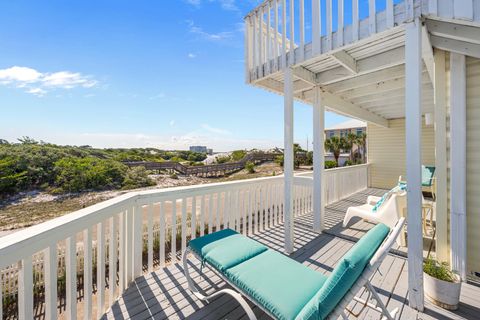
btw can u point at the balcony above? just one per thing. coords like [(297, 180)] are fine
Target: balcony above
[(355, 51)]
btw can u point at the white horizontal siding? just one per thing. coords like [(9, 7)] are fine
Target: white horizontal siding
[(473, 165), (386, 152)]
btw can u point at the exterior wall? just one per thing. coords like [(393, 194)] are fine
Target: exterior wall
[(473, 166), (343, 132), (386, 152)]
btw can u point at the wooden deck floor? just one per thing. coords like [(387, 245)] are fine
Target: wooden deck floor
[(164, 295)]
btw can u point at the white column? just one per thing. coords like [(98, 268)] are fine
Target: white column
[(458, 154), (413, 112), (318, 160), (288, 159), (441, 223)]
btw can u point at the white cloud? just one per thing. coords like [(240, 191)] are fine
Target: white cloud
[(38, 83), (214, 130), (219, 36), (228, 5), (192, 55), (39, 92)]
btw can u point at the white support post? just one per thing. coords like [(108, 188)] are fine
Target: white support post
[(413, 112), (284, 34), (458, 154), (441, 223), (291, 54), (341, 10), (288, 159), (318, 160), (355, 20), (269, 40)]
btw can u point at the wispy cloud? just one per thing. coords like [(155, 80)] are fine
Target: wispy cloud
[(192, 55), (218, 36), (172, 123), (39, 83), (228, 5), (214, 130)]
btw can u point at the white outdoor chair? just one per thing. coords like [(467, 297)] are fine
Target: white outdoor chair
[(389, 212)]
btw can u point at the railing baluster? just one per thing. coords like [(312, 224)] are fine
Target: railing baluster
[(276, 45), (137, 241), (163, 231), (25, 289), (316, 28), (249, 211), (255, 211), (193, 219), (150, 237), (112, 256), (244, 211), (260, 41), (87, 273), (122, 253), (341, 6), (292, 33), (389, 13), (329, 23), (218, 211), (372, 17), (184, 224), (173, 244), (71, 277), (302, 29), (284, 34), (202, 215), (128, 245), (100, 270), (50, 275), (255, 44), (269, 43), (355, 20), (210, 213)]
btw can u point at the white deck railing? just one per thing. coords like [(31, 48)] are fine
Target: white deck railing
[(102, 248), (282, 33)]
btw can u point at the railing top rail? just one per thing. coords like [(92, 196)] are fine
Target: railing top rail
[(15, 246)]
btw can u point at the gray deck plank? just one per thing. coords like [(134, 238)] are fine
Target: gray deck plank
[(163, 294)]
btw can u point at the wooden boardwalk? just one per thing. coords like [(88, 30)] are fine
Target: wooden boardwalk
[(164, 295)]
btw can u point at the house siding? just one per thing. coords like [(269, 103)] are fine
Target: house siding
[(473, 166), (386, 152)]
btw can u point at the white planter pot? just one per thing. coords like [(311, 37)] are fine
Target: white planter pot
[(442, 293)]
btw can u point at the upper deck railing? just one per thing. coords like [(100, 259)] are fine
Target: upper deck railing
[(91, 256), (280, 33)]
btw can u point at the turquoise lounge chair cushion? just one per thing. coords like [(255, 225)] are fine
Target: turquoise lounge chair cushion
[(427, 175), (226, 248), (345, 274), (279, 284)]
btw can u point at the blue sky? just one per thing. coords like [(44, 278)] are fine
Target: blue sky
[(164, 74)]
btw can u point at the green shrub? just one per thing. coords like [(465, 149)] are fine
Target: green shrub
[(348, 163), (238, 155), (137, 177), (330, 164), (174, 176), (438, 270), (250, 166), (279, 160), (223, 159), (80, 174)]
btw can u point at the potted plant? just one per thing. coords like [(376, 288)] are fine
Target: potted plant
[(442, 286)]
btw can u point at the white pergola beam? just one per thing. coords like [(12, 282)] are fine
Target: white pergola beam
[(457, 46), (370, 64), (318, 160), (427, 53), (458, 154), (346, 60), (339, 105), (453, 31), (413, 124), (288, 159), (441, 223), (306, 75)]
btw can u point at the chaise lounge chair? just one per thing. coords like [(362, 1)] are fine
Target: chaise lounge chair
[(284, 288)]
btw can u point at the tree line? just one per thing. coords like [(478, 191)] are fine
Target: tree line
[(36, 165)]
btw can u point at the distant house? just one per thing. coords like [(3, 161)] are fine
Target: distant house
[(199, 149), (343, 129)]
